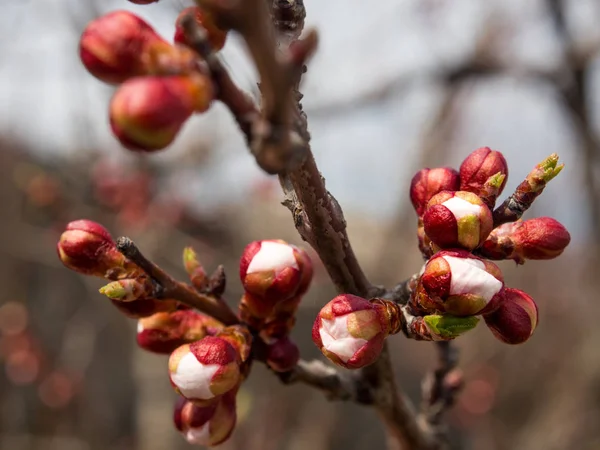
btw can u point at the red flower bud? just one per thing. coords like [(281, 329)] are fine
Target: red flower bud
[(428, 182), (283, 355), (204, 369), (350, 331), (457, 220), (147, 113), (478, 167), (87, 247), (207, 425), (216, 36), (145, 307), (515, 319), (112, 46), (458, 283), (272, 270), (539, 238), (164, 332)]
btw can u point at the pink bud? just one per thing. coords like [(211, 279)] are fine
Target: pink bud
[(206, 425), (87, 247), (515, 319), (112, 46), (166, 331), (271, 270), (147, 113), (350, 331), (457, 220), (204, 369), (216, 36), (458, 283), (428, 182), (145, 307), (478, 167), (283, 355)]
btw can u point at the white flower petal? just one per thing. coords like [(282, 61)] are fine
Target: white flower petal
[(193, 378), (461, 208), (198, 436), (140, 326), (273, 256), (337, 339), (469, 277)]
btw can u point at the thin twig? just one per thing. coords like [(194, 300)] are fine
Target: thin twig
[(171, 288)]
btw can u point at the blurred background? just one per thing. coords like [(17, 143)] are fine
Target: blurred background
[(396, 85)]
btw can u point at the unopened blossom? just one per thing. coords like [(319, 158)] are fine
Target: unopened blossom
[(216, 36), (457, 220), (428, 182), (458, 283), (477, 168), (205, 369), (128, 289), (282, 354), (515, 319)]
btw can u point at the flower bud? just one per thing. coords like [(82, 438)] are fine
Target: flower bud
[(216, 36), (166, 331), (271, 270), (515, 319), (283, 355), (87, 247), (457, 220), (112, 46), (436, 327), (539, 238), (147, 113), (128, 289), (479, 167), (194, 268), (428, 182), (145, 307), (207, 425), (350, 331), (458, 283), (204, 369)]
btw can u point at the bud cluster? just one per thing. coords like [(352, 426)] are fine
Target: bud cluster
[(161, 85), (457, 228), (275, 275)]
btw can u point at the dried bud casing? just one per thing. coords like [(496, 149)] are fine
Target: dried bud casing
[(206, 425), (515, 319), (458, 283), (479, 167), (457, 220), (283, 355), (272, 270), (166, 331), (350, 331), (87, 247), (147, 113), (429, 182), (205, 369), (216, 36)]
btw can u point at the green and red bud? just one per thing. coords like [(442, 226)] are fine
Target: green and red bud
[(539, 238), (194, 268), (515, 319), (458, 283), (216, 36), (128, 289), (429, 182), (274, 271), (147, 113), (350, 330), (205, 369), (436, 327), (282, 354), (166, 331), (457, 220), (87, 247), (478, 168), (206, 425)]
